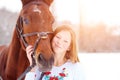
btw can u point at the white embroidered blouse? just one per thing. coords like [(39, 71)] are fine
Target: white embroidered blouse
[(68, 71)]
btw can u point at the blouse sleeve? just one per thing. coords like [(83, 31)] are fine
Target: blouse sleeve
[(79, 72), (30, 76)]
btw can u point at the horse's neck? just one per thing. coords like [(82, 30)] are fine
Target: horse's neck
[(14, 47), (3, 59), (16, 56)]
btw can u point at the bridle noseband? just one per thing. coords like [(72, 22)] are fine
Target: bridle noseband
[(21, 35)]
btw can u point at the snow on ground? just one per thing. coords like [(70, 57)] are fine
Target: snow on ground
[(101, 66)]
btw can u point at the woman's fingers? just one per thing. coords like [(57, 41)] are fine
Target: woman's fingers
[(29, 51)]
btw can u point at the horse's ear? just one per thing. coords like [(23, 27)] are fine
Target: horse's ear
[(24, 2), (48, 2)]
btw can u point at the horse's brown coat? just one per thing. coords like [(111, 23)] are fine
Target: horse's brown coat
[(36, 18)]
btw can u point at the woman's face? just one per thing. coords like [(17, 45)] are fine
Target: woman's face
[(61, 42)]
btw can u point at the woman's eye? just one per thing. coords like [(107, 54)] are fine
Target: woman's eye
[(58, 37)]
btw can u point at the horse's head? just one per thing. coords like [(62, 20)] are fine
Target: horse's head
[(34, 26)]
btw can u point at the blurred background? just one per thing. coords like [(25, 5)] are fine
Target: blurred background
[(96, 22), (97, 26)]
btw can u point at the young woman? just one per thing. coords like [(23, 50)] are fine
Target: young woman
[(66, 62)]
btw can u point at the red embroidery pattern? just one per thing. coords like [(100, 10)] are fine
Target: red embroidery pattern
[(60, 77)]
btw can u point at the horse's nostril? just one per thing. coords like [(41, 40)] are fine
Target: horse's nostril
[(43, 63), (40, 58)]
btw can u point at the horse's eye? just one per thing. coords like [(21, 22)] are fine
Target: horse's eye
[(25, 21)]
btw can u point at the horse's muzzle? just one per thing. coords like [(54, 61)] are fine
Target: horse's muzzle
[(43, 64)]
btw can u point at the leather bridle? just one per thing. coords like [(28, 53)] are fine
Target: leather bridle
[(22, 35)]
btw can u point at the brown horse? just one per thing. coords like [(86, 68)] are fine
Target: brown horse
[(33, 27)]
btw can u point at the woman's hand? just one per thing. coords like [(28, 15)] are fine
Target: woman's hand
[(29, 51)]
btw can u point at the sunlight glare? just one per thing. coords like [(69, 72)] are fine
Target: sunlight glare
[(94, 11), (67, 10)]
